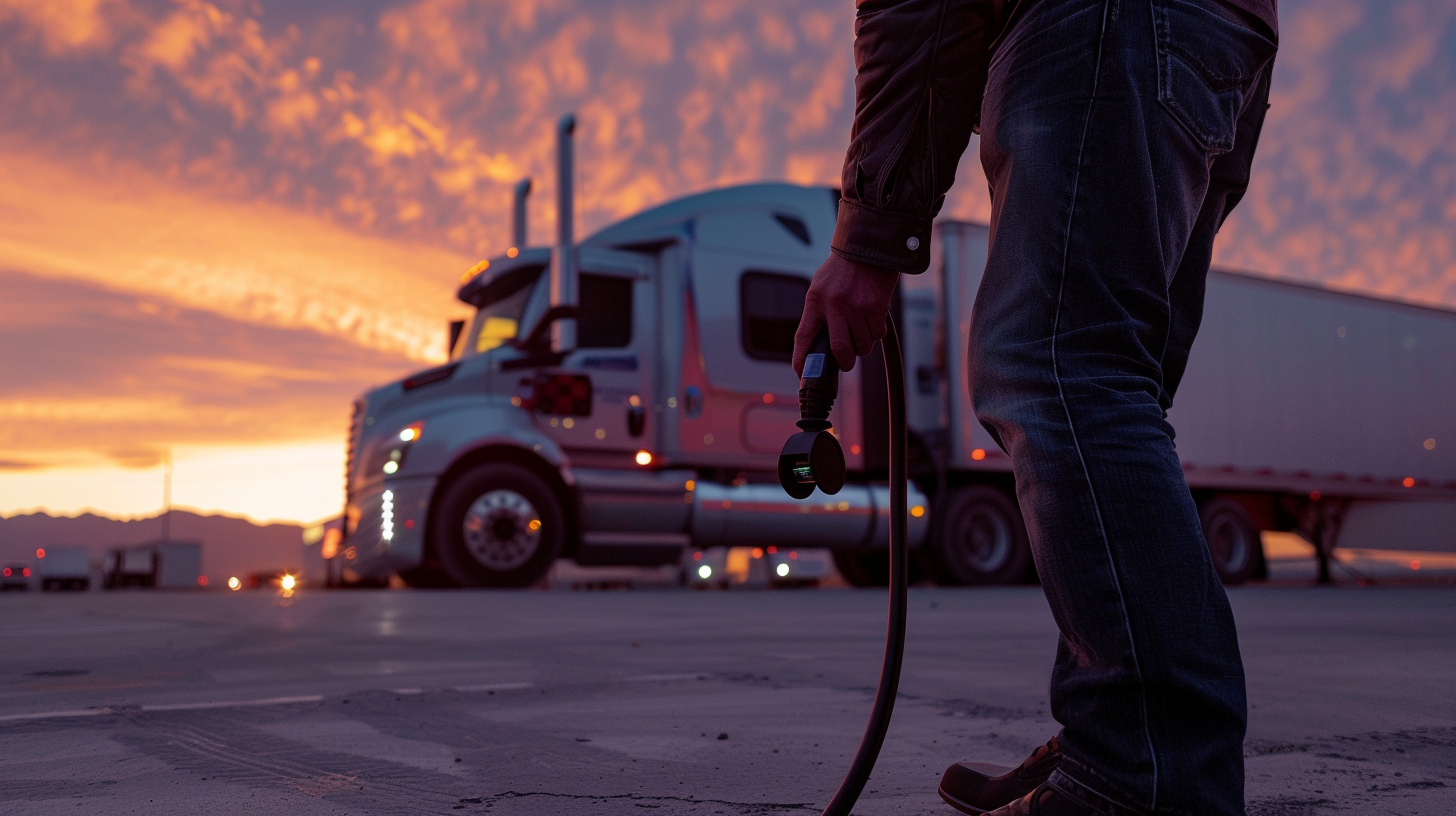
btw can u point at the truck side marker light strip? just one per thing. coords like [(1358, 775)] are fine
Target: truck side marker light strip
[(386, 516)]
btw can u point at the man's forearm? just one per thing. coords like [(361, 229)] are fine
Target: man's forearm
[(921, 72)]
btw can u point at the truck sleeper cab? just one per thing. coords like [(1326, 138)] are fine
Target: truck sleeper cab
[(659, 430)]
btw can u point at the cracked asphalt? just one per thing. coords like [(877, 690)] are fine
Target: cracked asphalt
[(667, 701)]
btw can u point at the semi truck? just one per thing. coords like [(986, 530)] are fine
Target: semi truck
[(622, 400)]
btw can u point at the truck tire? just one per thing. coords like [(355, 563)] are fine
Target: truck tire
[(1233, 540), (979, 539), (499, 526)]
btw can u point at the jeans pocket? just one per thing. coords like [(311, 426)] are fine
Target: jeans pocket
[(1207, 65)]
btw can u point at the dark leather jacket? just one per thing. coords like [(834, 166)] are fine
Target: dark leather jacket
[(921, 73)]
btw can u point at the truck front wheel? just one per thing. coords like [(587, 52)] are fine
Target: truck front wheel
[(1233, 541), (979, 538), (498, 525)]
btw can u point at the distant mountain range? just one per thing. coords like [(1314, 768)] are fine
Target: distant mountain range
[(230, 546)]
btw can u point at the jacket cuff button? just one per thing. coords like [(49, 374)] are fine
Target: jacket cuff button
[(912, 243)]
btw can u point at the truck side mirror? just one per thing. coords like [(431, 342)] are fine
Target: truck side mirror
[(456, 327), (537, 342)]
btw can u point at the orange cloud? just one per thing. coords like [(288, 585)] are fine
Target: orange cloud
[(64, 25), (315, 175)]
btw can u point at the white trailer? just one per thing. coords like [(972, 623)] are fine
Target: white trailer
[(161, 564), (1302, 409), (65, 568), (657, 430)]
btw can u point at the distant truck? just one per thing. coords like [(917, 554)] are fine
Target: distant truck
[(162, 565), (65, 568), (14, 577), (657, 426)]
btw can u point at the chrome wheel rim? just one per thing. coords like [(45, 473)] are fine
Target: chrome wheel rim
[(502, 530), (1229, 544), (985, 540)]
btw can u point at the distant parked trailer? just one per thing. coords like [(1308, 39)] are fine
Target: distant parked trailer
[(164, 564), (65, 568)]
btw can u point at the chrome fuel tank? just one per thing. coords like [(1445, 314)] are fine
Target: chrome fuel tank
[(762, 515)]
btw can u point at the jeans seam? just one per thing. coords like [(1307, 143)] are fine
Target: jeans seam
[(1066, 408)]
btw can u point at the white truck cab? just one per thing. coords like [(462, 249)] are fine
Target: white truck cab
[(658, 430)]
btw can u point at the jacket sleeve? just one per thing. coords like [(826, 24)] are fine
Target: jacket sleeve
[(921, 73)]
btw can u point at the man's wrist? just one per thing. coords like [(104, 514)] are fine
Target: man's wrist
[(887, 240)]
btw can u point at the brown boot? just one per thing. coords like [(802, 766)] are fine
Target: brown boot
[(975, 788), (1046, 801)]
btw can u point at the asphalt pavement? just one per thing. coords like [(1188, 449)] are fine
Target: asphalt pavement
[(663, 701)]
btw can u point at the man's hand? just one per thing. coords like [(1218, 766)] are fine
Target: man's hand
[(852, 299)]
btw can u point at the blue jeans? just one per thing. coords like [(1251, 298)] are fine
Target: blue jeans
[(1116, 136)]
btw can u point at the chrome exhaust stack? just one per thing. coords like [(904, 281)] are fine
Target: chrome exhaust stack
[(563, 260), (518, 213)]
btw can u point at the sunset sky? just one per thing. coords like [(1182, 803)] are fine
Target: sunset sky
[(221, 221)]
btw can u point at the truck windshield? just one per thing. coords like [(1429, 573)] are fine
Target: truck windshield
[(499, 321)]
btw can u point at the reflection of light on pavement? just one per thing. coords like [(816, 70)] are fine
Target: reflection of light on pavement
[(1291, 558)]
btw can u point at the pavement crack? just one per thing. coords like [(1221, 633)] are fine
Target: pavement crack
[(751, 807)]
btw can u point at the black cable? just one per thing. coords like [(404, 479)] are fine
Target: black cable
[(874, 736)]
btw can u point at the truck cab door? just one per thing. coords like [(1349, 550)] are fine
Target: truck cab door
[(616, 332), (749, 274)]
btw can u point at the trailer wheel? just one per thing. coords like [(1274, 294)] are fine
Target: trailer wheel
[(1233, 541), (498, 525), (979, 538)]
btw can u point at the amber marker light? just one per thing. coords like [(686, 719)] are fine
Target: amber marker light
[(978, 454), (474, 270), (643, 458), (917, 511), (512, 252), (234, 584)]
